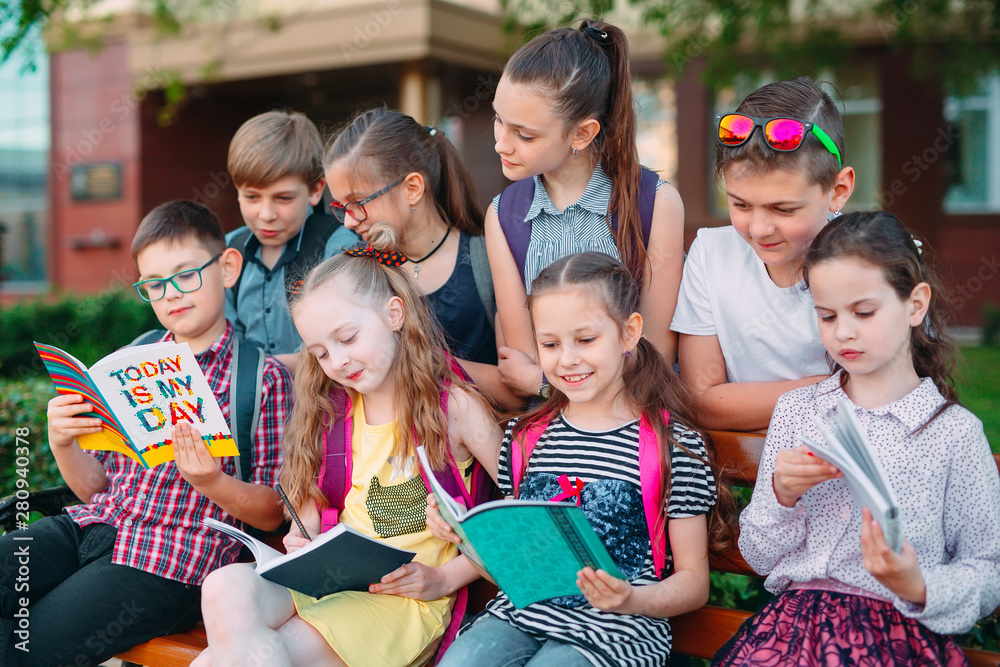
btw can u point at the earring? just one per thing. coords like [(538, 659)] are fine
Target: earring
[(575, 152), (628, 353), (413, 209)]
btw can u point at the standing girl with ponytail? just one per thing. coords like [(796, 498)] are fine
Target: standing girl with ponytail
[(385, 167), (565, 129)]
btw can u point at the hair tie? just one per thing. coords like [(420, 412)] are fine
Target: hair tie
[(431, 130), (598, 35), (389, 258)]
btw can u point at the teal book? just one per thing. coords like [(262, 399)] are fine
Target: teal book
[(532, 549)]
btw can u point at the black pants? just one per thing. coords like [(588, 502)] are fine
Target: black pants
[(81, 609)]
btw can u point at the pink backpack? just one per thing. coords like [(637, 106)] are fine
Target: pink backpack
[(650, 477)]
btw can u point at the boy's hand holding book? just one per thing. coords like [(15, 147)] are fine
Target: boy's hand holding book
[(191, 456), (65, 423)]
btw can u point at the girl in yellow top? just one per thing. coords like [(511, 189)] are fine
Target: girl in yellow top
[(365, 330)]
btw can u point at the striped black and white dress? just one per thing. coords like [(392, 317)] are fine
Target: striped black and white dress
[(608, 464), (580, 227)]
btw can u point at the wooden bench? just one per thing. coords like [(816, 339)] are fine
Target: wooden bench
[(702, 632), (698, 634)]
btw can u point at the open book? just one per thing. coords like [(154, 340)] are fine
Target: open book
[(532, 549), (341, 559), (140, 393), (849, 450)]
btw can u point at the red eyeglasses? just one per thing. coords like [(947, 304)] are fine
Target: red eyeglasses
[(357, 208), (781, 134)]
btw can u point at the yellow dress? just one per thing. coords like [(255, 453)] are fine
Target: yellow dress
[(387, 499)]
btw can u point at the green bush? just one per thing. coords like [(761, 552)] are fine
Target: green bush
[(88, 327), (991, 324), (22, 406)]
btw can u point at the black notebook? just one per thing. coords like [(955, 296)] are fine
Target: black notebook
[(341, 559)]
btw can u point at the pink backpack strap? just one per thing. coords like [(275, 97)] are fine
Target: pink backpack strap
[(337, 466), (519, 463), (651, 479)]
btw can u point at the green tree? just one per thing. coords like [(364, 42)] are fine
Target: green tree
[(951, 41)]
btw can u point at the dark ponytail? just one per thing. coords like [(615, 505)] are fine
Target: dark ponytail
[(586, 74), (385, 145), (880, 239), (650, 385)]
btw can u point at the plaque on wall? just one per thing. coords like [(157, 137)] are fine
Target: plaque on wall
[(99, 181)]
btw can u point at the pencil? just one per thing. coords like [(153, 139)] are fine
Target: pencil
[(291, 510)]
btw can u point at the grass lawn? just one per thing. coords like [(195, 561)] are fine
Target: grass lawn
[(978, 384)]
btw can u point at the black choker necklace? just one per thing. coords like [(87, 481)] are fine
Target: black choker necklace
[(415, 262)]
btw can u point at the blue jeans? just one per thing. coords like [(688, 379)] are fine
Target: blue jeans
[(493, 642)]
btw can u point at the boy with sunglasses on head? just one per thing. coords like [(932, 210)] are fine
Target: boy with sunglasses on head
[(746, 321), (275, 159), (135, 553)]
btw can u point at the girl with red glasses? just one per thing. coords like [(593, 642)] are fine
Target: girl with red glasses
[(386, 168), (745, 319)]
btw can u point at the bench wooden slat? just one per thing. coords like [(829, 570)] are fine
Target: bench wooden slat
[(171, 651), (702, 632), (738, 456)]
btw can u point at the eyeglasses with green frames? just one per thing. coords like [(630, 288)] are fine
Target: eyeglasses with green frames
[(188, 280)]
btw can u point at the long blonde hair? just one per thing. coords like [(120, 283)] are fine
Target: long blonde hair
[(421, 367)]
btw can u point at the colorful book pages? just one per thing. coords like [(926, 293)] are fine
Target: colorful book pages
[(141, 393), (70, 378)]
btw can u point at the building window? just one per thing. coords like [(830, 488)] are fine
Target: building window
[(973, 166), (656, 133), (24, 154), (857, 94)]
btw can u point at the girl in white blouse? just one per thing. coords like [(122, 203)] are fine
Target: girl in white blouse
[(843, 596)]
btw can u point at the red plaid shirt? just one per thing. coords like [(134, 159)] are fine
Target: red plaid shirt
[(158, 514)]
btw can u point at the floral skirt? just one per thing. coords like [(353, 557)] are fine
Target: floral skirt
[(823, 628)]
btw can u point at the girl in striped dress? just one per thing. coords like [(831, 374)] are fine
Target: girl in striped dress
[(612, 391), (565, 129)]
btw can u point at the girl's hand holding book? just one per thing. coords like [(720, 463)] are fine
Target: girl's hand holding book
[(413, 580), (603, 591), (293, 541), (900, 573), (65, 423), (796, 471), (439, 527), (194, 462)]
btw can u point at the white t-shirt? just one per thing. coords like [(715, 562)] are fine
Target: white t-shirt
[(767, 333)]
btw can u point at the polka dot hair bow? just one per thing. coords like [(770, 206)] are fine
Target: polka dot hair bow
[(388, 258)]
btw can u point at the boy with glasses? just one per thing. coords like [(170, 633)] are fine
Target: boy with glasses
[(127, 565), (275, 160)]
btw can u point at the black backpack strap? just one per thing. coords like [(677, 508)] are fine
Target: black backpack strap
[(151, 336), (245, 389), (514, 203), (312, 248), (239, 241), (483, 277)]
